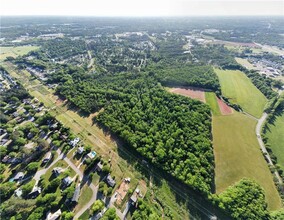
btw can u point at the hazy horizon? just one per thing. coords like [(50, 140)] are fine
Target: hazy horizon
[(145, 8)]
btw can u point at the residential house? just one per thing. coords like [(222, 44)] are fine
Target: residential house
[(53, 216), (110, 181), (91, 155), (99, 167), (19, 176), (74, 142), (80, 150), (34, 193), (47, 157), (57, 170), (67, 181)]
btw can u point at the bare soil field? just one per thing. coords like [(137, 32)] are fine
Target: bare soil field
[(224, 108), (122, 191), (189, 92)]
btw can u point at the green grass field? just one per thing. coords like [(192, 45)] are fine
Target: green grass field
[(237, 155), (275, 135), (211, 100), (15, 51), (245, 63), (239, 89)]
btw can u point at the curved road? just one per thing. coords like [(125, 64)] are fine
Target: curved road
[(262, 146)]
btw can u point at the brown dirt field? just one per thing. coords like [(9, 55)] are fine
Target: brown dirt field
[(192, 93), (224, 108), (121, 192)]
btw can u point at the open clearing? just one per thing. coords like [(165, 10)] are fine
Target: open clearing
[(189, 92), (245, 63), (275, 134), (237, 155), (15, 51), (239, 89)]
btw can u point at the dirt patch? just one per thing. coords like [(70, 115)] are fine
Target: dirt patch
[(189, 92), (121, 192), (224, 108)]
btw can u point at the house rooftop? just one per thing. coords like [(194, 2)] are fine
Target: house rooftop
[(110, 180), (19, 176), (67, 180), (53, 216)]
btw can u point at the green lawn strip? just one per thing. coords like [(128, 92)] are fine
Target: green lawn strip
[(237, 155), (85, 196), (85, 215), (239, 89), (275, 135), (211, 100)]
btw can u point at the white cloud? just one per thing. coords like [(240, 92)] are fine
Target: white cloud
[(141, 7)]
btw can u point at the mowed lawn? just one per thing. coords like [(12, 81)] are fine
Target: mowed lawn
[(15, 51), (238, 155), (239, 89), (275, 135)]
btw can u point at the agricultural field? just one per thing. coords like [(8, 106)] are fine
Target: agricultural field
[(15, 51), (237, 155), (211, 100), (189, 92), (239, 89), (275, 137)]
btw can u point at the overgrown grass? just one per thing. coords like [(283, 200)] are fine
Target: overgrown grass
[(275, 135), (211, 100), (237, 155), (239, 89)]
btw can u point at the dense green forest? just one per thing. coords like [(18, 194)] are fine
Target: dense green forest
[(186, 75), (169, 130), (245, 200)]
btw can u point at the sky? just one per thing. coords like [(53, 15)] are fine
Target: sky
[(141, 7)]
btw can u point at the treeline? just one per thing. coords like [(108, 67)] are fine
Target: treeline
[(244, 200), (62, 48), (186, 75), (263, 83), (215, 55), (171, 131)]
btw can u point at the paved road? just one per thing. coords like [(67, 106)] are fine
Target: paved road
[(41, 172), (262, 146)]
